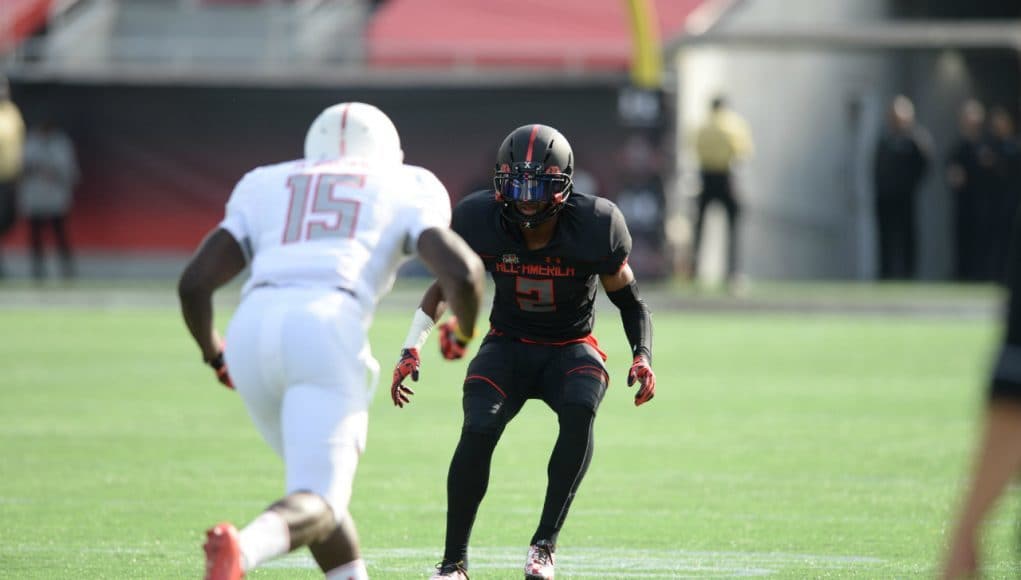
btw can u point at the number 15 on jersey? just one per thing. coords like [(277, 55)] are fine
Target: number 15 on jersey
[(328, 214)]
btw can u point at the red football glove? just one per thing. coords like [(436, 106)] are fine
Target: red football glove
[(451, 346), (220, 368), (642, 372), (408, 364)]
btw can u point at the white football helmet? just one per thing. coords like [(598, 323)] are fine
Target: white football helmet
[(353, 130)]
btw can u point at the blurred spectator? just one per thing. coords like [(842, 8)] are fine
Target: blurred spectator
[(997, 459), (969, 174), (44, 193), (12, 136), (902, 156), (720, 143), (642, 200), (1007, 179)]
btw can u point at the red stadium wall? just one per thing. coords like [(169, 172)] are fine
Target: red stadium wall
[(590, 34), (19, 19)]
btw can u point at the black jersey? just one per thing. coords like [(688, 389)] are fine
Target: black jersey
[(547, 294)]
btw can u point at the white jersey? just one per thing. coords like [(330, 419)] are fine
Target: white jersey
[(344, 224)]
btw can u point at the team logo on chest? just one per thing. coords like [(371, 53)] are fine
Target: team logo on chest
[(550, 267)]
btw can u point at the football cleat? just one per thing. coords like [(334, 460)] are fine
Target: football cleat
[(539, 565), (223, 553), (450, 570)]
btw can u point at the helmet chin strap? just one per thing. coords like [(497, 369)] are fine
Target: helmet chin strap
[(530, 221)]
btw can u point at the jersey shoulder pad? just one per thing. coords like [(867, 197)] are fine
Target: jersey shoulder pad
[(597, 213), (476, 205), (423, 199), (478, 199), (420, 175), (606, 232), (424, 183), (474, 219)]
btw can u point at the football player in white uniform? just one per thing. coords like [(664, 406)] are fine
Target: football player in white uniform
[(323, 237)]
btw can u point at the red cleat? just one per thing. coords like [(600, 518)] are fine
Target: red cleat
[(223, 553)]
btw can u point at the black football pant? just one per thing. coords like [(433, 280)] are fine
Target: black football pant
[(36, 224), (895, 218), (571, 379), (717, 187), (8, 215)]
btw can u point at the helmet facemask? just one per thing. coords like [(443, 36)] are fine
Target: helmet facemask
[(530, 183), (534, 165)]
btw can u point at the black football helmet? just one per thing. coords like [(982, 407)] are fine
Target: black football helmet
[(534, 163)]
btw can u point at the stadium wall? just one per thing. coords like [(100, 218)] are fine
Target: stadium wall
[(159, 162)]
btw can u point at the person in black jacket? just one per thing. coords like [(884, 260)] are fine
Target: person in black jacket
[(969, 174), (1006, 149), (902, 156)]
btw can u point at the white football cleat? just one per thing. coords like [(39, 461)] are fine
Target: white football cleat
[(539, 565), (450, 571)]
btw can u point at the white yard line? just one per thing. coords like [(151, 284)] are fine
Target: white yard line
[(596, 562)]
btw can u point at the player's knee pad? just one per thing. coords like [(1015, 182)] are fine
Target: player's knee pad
[(578, 377), (584, 389), (485, 408)]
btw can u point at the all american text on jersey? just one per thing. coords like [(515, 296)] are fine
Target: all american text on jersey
[(544, 270)]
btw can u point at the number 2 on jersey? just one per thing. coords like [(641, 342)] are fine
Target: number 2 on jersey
[(535, 295), (328, 216)]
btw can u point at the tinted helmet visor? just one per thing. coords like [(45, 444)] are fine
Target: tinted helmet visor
[(519, 187)]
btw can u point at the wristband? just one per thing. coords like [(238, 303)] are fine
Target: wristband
[(421, 326), (464, 338), (216, 362)]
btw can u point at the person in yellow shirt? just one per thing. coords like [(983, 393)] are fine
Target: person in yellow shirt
[(720, 143), (12, 138)]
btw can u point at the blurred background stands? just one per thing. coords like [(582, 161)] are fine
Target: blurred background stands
[(168, 102)]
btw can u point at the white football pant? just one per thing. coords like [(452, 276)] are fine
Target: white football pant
[(301, 362)]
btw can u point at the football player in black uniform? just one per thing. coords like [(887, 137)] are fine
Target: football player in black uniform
[(545, 246), (998, 458)]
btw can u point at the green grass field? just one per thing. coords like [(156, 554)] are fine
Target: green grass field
[(785, 446)]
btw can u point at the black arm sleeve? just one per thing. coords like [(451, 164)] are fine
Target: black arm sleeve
[(636, 317)]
